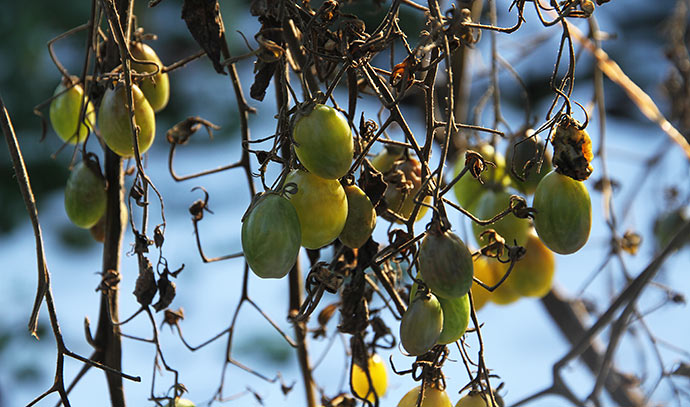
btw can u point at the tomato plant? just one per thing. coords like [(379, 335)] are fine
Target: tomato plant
[(433, 397), (156, 88), (468, 190), (65, 111), (404, 183), (323, 142), (532, 275), (564, 213), (523, 157), (321, 205), (445, 263), (421, 324), (271, 236), (114, 122), (510, 226), (85, 197), (378, 375), (456, 316), (361, 218)]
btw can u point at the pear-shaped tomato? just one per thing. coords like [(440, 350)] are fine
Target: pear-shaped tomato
[(65, 112), (378, 375), (519, 156), (456, 316), (491, 275), (479, 399), (361, 218), (421, 324), (113, 120), (445, 264), (532, 275), (156, 88), (404, 183), (324, 142), (510, 227), (433, 397), (321, 205), (271, 236), (85, 197), (564, 213), (468, 190)]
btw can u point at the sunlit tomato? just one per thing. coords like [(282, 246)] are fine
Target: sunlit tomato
[(532, 276), (378, 375), (421, 324), (482, 271), (157, 87), (479, 399), (491, 275), (404, 182), (324, 142), (510, 226), (113, 121), (321, 205), (564, 213), (433, 397), (527, 152), (85, 196), (468, 189), (65, 110), (667, 224), (271, 236), (384, 161), (456, 316), (180, 402), (445, 264), (361, 218)]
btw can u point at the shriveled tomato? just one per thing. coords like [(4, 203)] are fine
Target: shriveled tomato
[(324, 142), (433, 397), (572, 149), (468, 189), (65, 111), (113, 121), (421, 324), (404, 183), (445, 264), (378, 375), (156, 88), (479, 399), (85, 197), (523, 157), (321, 205), (532, 275), (361, 218), (456, 316), (564, 213), (271, 236), (510, 226), (491, 275)]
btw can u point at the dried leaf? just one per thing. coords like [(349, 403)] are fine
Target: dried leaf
[(206, 26)]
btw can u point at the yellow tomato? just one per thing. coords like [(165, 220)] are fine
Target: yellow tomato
[(433, 397), (494, 271), (532, 275), (379, 378)]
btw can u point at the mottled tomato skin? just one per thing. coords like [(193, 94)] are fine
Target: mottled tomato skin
[(564, 213), (85, 197), (321, 205), (421, 324), (532, 276), (445, 264), (456, 316), (113, 121), (468, 189), (65, 110), (324, 142), (157, 87), (510, 227), (433, 397), (271, 236), (379, 378), (361, 218)]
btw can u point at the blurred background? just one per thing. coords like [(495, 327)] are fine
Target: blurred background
[(521, 341)]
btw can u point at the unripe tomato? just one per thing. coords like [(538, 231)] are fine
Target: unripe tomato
[(482, 271), (445, 264), (510, 226), (385, 160), (468, 190), (530, 149), (156, 88), (324, 142), (361, 218), (85, 197), (379, 378), (404, 182), (564, 213), (271, 236), (421, 324), (667, 224), (321, 205), (491, 275), (479, 399), (65, 110), (113, 120), (180, 402), (433, 397), (532, 275), (456, 316)]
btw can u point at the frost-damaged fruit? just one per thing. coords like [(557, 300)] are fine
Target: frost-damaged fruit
[(85, 196), (404, 182), (572, 149), (445, 263), (379, 378), (524, 158), (156, 88), (65, 110), (490, 275), (361, 218), (510, 226), (456, 316), (433, 397), (532, 275), (113, 120), (468, 190), (479, 399), (564, 213), (421, 324), (321, 205), (271, 236), (324, 142)]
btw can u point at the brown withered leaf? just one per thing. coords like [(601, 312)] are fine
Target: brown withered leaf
[(206, 26)]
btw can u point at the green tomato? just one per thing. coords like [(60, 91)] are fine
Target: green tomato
[(113, 121), (517, 157), (456, 316), (421, 324), (510, 227), (532, 275), (468, 190), (433, 397), (156, 88), (445, 264), (379, 378), (321, 206), (384, 161), (271, 236), (65, 110), (564, 213), (324, 142), (85, 197), (361, 218)]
